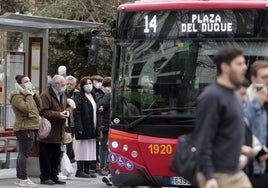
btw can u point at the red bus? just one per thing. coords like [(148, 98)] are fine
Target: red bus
[(162, 61)]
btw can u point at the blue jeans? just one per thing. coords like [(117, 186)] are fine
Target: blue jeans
[(25, 143), (103, 150)]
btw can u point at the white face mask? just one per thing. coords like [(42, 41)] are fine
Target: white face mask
[(98, 85), (62, 89), (29, 85)]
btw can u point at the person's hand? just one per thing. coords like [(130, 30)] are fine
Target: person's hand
[(243, 160), (263, 158), (101, 109), (261, 94), (28, 92), (212, 183), (65, 114), (247, 150)]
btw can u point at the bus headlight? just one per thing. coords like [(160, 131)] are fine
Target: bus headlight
[(115, 144), (134, 154), (125, 147)]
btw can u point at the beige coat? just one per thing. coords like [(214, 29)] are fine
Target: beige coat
[(25, 108)]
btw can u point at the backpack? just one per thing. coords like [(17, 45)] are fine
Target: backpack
[(183, 160)]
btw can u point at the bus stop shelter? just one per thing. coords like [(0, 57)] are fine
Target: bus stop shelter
[(31, 59)]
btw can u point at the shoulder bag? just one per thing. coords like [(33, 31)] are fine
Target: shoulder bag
[(44, 127)]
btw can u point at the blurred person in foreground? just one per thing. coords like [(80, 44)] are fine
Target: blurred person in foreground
[(86, 122), (220, 128), (251, 143), (54, 108), (25, 104), (256, 108)]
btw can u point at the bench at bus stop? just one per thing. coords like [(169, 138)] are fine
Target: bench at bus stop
[(7, 145)]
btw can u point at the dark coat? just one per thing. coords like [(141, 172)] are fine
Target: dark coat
[(83, 117), (71, 95), (51, 109), (105, 115)]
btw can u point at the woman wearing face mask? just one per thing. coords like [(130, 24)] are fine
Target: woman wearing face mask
[(25, 104), (85, 120)]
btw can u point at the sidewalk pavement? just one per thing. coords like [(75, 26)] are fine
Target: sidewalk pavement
[(8, 176)]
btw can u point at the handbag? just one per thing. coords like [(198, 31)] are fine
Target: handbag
[(183, 160), (44, 127)]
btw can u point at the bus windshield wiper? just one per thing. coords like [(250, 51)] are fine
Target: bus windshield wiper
[(151, 112)]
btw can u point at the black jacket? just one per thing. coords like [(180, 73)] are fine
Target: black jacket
[(105, 115), (83, 117)]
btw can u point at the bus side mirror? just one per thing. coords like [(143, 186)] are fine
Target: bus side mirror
[(93, 49), (113, 28)]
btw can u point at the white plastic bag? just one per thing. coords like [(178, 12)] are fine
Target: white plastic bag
[(66, 166)]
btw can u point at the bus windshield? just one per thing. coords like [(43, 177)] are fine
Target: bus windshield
[(166, 76)]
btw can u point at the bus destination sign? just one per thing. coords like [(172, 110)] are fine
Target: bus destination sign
[(206, 23), (189, 23)]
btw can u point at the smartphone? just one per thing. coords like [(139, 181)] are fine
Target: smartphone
[(258, 86)]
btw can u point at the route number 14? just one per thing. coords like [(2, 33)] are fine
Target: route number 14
[(150, 24)]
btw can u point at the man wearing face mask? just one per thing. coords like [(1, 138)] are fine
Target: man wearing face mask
[(97, 90), (97, 84), (54, 108), (86, 122), (25, 104)]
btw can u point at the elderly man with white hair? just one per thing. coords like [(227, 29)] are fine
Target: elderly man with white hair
[(54, 108)]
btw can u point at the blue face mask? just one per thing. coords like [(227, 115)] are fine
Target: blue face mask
[(88, 88), (29, 85)]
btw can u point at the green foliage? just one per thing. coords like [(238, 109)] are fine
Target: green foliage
[(70, 47), (11, 6)]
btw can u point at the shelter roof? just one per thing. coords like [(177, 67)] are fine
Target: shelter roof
[(32, 24)]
